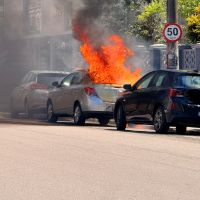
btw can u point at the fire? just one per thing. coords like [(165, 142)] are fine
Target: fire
[(107, 63)]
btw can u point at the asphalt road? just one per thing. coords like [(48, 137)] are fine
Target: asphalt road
[(64, 162)]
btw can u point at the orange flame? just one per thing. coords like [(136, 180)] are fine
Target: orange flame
[(107, 64)]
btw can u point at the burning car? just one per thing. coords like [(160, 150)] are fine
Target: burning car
[(79, 97), (162, 98), (31, 95)]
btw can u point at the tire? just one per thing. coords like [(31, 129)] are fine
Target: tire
[(51, 117), (159, 121), (28, 112), (103, 121), (79, 118), (181, 129), (120, 119)]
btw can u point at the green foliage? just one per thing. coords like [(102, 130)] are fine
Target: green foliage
[(155, 8), (194, 25), (149, 20), (152, 17), (186, 7)]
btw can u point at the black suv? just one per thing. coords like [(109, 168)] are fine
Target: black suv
[(163, 98)]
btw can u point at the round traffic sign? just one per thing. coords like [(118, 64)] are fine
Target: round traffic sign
[(172, 32)]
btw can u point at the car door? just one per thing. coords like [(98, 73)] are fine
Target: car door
[(20, 93), (73, 92), (144, 96), (158, 91), (61, 95), (136, 101)]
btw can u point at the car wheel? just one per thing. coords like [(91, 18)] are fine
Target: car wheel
[(51, 117), (160, 124), (103, 121), (181, 129), (28, 112), (120, 119), (79, 118)]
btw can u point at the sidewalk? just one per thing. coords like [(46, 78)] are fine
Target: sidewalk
[(6, 118)]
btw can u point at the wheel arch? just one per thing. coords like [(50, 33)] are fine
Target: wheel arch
[(157, 105), (49, 101), (76, 103)]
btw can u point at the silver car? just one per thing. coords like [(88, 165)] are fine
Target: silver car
[(78, 97), (32, 94)]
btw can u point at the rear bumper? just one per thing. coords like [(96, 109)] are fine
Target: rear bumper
[(174, 118), (95, 105)]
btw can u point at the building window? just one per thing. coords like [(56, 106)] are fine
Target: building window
[(32, 15)]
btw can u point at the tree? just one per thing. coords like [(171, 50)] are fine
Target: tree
[(194, 25), (152, 17), (150, 22)]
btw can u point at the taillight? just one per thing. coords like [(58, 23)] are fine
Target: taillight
[(36, 86), (90, 91), (176, 93)]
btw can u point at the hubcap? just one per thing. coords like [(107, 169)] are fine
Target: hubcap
[(158, 120), (77, 114)]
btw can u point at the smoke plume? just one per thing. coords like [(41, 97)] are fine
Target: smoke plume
[(86, 22)]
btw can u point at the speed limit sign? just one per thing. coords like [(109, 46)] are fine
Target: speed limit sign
[(172, 32)]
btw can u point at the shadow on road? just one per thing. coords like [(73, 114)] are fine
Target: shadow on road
[(191, 132), (142, 129)]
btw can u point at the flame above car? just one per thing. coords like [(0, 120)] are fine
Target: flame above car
[(107, 63)]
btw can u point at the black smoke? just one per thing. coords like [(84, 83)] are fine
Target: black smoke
[(87, 21)]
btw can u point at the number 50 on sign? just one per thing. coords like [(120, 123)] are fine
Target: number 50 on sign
[(172, 32)]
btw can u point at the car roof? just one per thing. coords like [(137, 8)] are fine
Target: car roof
[(179, 71), (49, 72)]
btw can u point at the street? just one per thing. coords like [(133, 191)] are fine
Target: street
[(64, 162)]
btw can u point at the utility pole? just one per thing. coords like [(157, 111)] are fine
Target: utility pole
[(172, 47)]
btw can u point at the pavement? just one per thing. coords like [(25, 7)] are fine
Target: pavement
[(66, 162), (6, 118)]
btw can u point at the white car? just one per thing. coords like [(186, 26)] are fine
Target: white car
[(32, 93), (79, 97)]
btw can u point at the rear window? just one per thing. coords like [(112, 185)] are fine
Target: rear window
[(48, 79), (188, 81)]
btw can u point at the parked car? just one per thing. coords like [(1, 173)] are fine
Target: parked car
[(162, 98), (79, 97), (32, 93)]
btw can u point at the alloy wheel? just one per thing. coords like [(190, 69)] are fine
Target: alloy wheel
[(158, 119)]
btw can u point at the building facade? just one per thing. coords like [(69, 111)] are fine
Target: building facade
[(43, 27)]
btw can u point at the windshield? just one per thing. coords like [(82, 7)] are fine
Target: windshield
[(188, 81), (48, 79)]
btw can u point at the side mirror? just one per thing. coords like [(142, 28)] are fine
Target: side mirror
[(134, 87), (127, 87), (55, 84)]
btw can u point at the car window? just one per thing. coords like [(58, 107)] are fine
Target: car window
[(87, 79), (26, 78), (48, 78), (188, 81), (161, 79), (32, 78), (77, 79), (145, 82), (67, 81)]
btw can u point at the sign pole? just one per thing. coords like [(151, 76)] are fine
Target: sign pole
[(172, 47)]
